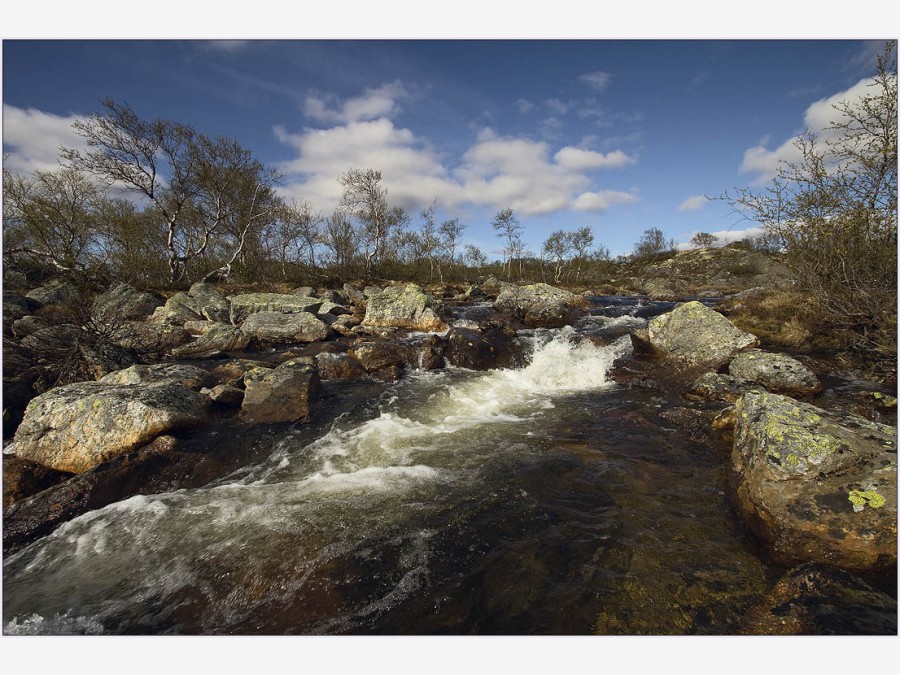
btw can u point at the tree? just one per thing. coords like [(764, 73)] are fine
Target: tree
[(365, 199), (341, 241), (835, 212), (450, 231), (51, 218), (703, 240), (474, 257), (582, 240), (209, 192), (558, 247), (508, 229), (652, 242)]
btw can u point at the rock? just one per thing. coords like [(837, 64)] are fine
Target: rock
[(123, 302), (23, 478), (232, 372), (337, 297), (14, 278), (344, 325), (15, 307), (28, 325), (403, 307), (210, 304), (196, 328), (78, 426), (339, 367), (274, 327), (224, 394), (55, 292), (154, 468), (430, 353), (178, 309), (539, 305), (354, 296), (332, 309), (148, 337), (304, 291), (779, 373), (283, 394), (715, 387), (815, 599), (246, 304), (389, 374), (192, 377), (17, 392), (219, 339), (479, 351), (814, 485), (694, 334), (375, 356)]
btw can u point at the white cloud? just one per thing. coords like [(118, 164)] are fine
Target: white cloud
[(523, 106), (604, 199), (598, 80), (375, 103), (694, 203), (227, 46), (818, 117), (725, 237), (557, 106), (582, 160), (32, 139)]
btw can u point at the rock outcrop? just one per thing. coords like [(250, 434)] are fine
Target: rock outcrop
[(816, 486), (78, 426), (695, 334)]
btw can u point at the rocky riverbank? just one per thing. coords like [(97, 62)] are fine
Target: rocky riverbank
[(813, 470)]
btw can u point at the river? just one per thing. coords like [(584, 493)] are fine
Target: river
[(544, 499)]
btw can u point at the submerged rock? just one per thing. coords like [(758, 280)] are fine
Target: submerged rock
[(779, 373), (403, 307), (695, 334), (814, 485), (815, 599), (78, 426)]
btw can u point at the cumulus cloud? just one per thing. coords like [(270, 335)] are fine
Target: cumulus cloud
[(523, 106), (694, 203), (603, 200), (598, 80), (582, 160), (32, 139), (818, 117), (382, 101)]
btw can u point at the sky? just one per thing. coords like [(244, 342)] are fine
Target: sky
[(619, 135)]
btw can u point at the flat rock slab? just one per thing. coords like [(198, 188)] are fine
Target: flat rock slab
[(78, 426), (246, 304), (814, 485), (275, 327), (191, 377), (220, 338)]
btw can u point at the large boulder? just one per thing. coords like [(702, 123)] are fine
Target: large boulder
[(219, 339), (403, 307), (55, 292), (78, 426), (191, 377), (339, 367), (123, 302), (178, 309), (539, 305), (779, 373), (246, 304), (814, 485), (376, 356), (695, 334), (479, 351), (275, 327), (211, 304), (283, 394)]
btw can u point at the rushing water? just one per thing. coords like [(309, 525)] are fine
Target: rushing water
[(539, 500)]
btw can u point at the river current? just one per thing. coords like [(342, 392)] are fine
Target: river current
[(543, 499)]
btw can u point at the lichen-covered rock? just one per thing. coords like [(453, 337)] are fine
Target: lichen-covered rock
[(539, 305), (232, 372), (178, 309), (779, 373), (717, 387), (403, 307), (219, 339), (695, 334), (200, 327), (210, 304), (814, 599), (224, 394), (275, 327), (344, 325), (816, 485), (55, 292), (76, 427), (191, 377), (246, 304), (124, 302), (283, 394)]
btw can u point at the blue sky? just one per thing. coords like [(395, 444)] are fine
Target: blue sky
[(617, 134)]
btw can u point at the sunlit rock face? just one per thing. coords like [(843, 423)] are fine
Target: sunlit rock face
[(404, 307), (815, 485), (696, 334), (78, 426)]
